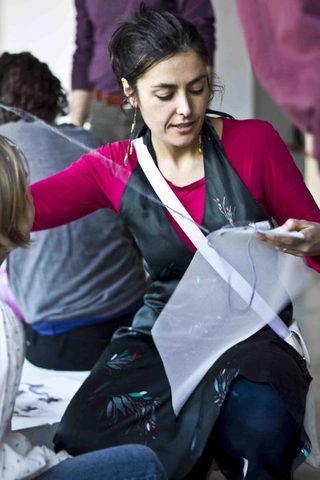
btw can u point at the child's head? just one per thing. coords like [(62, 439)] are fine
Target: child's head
[(16, 206)]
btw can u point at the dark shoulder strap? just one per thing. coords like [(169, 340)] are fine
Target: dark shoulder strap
[(217, 113)]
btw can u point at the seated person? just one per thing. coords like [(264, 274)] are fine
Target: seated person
[(76, 284), (18, 459)]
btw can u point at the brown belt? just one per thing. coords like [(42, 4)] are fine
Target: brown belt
[(107, 98)]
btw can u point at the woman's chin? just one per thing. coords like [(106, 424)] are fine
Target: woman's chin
[(186, 143)]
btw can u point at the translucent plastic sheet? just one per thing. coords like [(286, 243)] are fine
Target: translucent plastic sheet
[(205, 316)]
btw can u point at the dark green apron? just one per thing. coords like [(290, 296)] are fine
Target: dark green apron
[(167, 256)]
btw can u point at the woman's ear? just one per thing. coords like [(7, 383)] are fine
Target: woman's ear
[(128, 91)]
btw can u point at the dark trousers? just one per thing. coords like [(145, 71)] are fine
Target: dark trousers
[(118, 463), (78, 349), (255, 437)]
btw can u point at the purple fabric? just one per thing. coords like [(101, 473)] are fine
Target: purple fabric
[(283, 39), (96, 22)]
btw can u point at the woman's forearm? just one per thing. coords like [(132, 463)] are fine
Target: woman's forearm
[(66, 196)]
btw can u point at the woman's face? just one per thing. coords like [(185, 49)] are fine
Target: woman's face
[(173, 96)]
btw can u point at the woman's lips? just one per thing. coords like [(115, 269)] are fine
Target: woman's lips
[(185, 127)]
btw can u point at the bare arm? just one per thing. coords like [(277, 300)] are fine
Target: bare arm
[(79, 106)]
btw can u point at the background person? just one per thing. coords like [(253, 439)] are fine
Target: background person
[(18, 458), (77, 284)]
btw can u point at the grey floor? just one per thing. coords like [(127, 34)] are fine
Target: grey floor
[(307, 311)]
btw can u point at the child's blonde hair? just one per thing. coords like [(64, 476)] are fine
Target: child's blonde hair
[(13, 192)]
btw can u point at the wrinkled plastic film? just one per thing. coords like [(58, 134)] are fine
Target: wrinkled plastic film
[(205, 315)]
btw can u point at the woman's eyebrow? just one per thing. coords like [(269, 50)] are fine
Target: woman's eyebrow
[(172, 85), (197, 79)]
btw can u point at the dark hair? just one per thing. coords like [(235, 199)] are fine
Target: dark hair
[(27, 83), (148, 37)]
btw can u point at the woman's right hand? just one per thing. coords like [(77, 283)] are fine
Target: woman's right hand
[(309, 246)]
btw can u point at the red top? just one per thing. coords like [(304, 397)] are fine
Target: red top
[(253, 148)]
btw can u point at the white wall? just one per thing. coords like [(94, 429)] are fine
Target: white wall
[(232, 62), (46, 28)]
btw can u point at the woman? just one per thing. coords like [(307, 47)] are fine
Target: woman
[(161, 62), (18, 459)]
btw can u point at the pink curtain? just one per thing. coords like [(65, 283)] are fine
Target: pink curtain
[(283, 39)]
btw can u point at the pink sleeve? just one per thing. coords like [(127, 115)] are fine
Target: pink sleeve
[(71, 193), (284, 189)]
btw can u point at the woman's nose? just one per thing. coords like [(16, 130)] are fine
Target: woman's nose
[(183, 106)]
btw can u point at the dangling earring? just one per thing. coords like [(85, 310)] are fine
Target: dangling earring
[(200, 143), (130, 146)]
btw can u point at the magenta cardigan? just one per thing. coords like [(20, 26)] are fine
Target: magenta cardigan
[(253, 147)]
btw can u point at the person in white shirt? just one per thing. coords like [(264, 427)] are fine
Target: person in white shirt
[(18, 458)]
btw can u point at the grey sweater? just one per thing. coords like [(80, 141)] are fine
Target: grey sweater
[(87, 269)]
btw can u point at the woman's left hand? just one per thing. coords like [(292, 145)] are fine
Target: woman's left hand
[(308, 246)]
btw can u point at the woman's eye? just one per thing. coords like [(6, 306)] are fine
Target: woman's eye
[(164, 98), (197, 92)]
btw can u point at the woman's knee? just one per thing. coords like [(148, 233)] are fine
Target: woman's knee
[(254, 412)]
